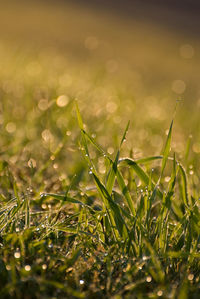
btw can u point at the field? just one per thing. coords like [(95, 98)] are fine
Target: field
[(99, 154)]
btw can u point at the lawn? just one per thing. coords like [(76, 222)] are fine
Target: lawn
[(99, 155)]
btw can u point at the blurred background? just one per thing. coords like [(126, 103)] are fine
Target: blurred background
[(130, 59), (156, 42)]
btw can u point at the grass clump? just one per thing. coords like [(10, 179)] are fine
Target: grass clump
[(128, 231)]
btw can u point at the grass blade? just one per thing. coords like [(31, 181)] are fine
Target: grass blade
[(166, 150), (125, 192), (140, 173), (110, 204), (184, 185)]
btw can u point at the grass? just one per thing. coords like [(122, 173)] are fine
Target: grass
[(91, 205), (129, 231)]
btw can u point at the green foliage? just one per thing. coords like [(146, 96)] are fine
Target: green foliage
[(124, 236)]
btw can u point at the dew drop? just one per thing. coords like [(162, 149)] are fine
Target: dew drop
[(190, 276), (81, 281), (44, 266), (43, 195), (160, 293), (8, 267), (149, 279), (167, 179), (17, 255), (145, 258), (27, 268), (68, 133)]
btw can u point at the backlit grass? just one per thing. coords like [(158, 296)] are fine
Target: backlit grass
[(128, 231), (99, 177)]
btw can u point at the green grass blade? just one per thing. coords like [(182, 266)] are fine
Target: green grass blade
[(113, 171), (65, 198), (148, 159), (166, 149), (184, 185), (80, 122), (125, 192), (125, 133), (112, 174), (110, 204), (140, 173), (94, 143)]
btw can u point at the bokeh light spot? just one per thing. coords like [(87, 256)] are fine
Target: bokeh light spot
[(62, 101), (17, 255), (178, 86), (43, 104), (11, 127), (27, 268), (186, 51), (149, 279)]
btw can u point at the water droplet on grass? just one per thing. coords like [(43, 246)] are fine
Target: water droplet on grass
[(145, 258), (44, 266), (8, 267), (149, 279), (27, 268), (190, 276), (17, 255), (81, 281), (160, 293), (90, 171), (43, 195)]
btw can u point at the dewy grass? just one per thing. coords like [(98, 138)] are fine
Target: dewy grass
[(128, 234)]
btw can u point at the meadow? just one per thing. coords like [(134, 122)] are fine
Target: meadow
[(99, 156)]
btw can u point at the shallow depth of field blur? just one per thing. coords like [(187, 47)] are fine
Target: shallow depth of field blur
[(140, 65), (119, 67)]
